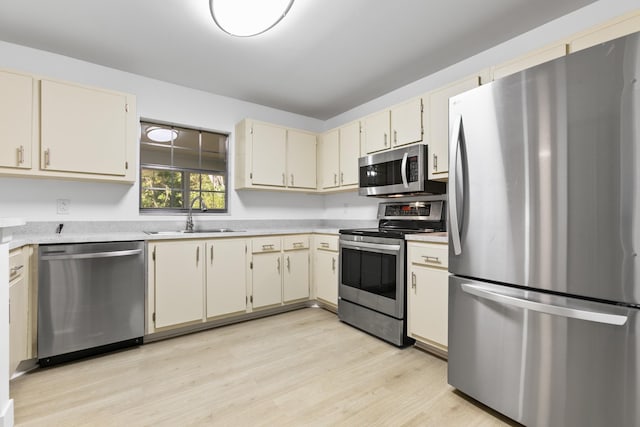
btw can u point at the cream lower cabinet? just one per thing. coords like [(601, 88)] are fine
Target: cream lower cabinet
[(18, 308), (226, 283), (266, 272), (295, 280), (428, 294), (325, 268), (178, 280)]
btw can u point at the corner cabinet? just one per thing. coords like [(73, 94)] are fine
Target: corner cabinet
[(274, 157), (61, 129), (339, 150), (428, 295)]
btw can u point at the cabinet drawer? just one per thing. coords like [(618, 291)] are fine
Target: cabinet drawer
[(327, 243), (17, 264), (295, 242), (431, 254), (265, 244)]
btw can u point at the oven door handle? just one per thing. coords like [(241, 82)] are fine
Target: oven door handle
[(378, 247), (404, 170)]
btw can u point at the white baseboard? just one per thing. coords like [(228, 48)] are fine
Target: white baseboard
[(6, 417)]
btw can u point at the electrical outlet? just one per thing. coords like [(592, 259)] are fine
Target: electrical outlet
[(63, 206)]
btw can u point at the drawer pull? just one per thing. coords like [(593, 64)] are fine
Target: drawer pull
[(324, 245), (433, 259), (298, 245), (413, 280), (267, 247), (333, 264), (14, 270)]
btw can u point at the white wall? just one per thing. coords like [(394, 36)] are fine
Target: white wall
[(36, 199)]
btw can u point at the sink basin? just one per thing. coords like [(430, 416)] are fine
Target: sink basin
[(212, 230)]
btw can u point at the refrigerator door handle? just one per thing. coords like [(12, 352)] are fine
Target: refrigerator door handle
[(555, 310), (454, 145)]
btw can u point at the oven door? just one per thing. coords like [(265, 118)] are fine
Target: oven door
[(372, 273)]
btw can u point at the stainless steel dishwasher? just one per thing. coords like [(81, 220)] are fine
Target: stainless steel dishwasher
[(90, 299)]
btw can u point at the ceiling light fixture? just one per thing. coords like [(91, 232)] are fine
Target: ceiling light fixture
[(158, 134), (246, 18)]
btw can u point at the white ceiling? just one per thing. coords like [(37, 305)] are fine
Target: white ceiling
[(325, 57)]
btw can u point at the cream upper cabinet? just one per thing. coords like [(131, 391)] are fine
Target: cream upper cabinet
[(329, 159), (339, 152), (376, 131), (178, 282), (325, 268), (349, 154), (226, 283), (301, 159), (437, 123), (82, 129), (428, 294), (530, 60), (16, 120), (268, 145), (406, 123), (619, 27)]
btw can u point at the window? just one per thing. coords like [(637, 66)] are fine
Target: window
[(181, 166)]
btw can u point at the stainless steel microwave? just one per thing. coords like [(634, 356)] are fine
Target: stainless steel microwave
[(398, 172)]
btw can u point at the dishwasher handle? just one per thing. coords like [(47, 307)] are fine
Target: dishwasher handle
[(92, 255)]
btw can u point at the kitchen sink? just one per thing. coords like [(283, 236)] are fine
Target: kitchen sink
[(212, 230)]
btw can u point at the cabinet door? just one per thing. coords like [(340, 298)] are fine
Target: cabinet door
[(428, 305), (267, 279), (301, 159), (438, 125), (326, 276), (406, 122), (295, 283), (268, 155), (226, 280), (349, 153), (329, 155), (179, 276), (16, 120), (82, 129), (18, 322), (376, 132)]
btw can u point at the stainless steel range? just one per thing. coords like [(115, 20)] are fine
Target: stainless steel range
[(372, 265)]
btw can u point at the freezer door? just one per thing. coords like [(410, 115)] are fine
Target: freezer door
[(544, 176), (544, 360)]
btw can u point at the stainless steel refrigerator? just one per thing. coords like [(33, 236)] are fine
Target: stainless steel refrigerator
[(544, 226)]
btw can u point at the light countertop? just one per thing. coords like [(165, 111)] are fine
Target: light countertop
[(440, 237)]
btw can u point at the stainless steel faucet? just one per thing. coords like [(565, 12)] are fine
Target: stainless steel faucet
[(203, 208)]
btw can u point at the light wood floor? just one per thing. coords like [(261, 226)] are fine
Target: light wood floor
[(298, 368)]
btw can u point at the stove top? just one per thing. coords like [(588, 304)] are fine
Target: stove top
[(397, 233)]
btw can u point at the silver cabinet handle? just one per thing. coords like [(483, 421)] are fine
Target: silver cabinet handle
[(413, 280), (278, 265), (333, 264), (21, 155), (211, 254), (298, 245), (14, 270), (341, 177), (395, 136), (47, 157), (435, 162), (288, 264), (335, 179), (385, 139), (292, 184), (454, 145), (197, 254), (267, 247), (433, 259), (324, 245), (555, 310), (284, 178)]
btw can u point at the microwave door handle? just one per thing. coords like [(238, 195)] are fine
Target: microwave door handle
[(404, 170), (454, 145)]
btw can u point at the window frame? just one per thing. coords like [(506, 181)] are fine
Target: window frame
[(186, 172)]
